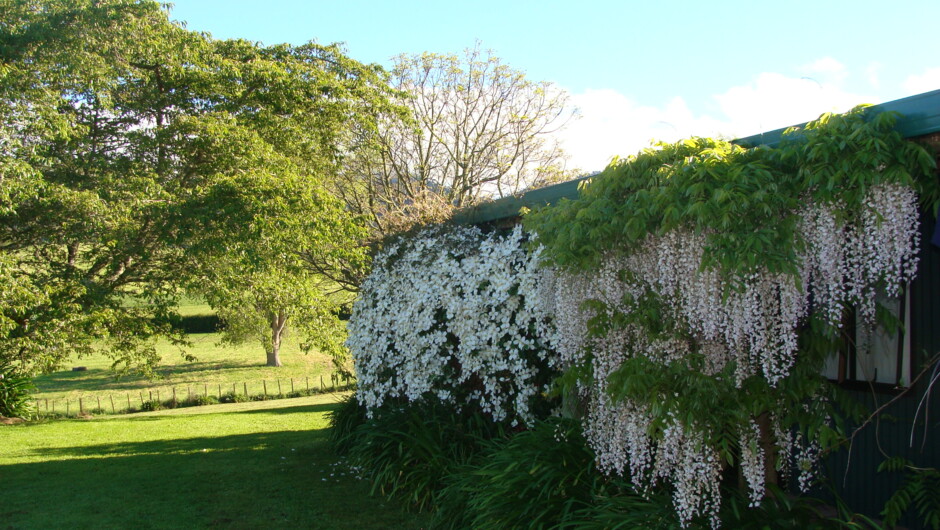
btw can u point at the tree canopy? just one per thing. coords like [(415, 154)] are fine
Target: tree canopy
[(138, 158), (478, 129)]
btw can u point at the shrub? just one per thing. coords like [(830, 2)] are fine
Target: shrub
[(789, 511), (149, 406), (460, 315), (199, 324), (14, 393), (619, 507), (409, 450), (533, 479), (234, 398), (543, 477), (343, 423), (920, 490), (206, 400)]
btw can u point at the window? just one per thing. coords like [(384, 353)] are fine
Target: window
[(881, 356)]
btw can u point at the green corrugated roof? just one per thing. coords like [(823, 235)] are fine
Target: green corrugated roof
[(920, 115), (510, 206)]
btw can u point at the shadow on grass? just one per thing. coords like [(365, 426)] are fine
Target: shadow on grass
[(274, 479), (235, 442), (321, 407), (220, 409), (103, 379)]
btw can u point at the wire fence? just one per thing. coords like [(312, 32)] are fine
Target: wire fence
[(189, 395)]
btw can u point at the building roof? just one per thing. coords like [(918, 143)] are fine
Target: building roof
[(920, 115)]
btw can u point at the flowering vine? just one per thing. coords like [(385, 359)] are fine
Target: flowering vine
[(702, 285)]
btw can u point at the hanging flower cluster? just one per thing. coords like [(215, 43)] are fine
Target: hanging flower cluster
[(458, 315), (847, 258)]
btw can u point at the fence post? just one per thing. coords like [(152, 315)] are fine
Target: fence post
[(53, 406), (245, 383), (220, 391), (150, 393), (81, 407), (291, 385), (321, 382), (174, 396), (264, 383), (141, 399), (113, 411), (128, 396), (279, 387), (99, 402), (233, 391), (205, 389), (158, 395)]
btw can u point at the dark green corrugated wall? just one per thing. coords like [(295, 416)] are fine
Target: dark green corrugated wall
[(856, 479)]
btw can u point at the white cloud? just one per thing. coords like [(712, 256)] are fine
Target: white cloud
[(774, 100), (826, 71), (925, 82), (612, 123)]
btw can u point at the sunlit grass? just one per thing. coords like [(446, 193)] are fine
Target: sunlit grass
[(216, 366), (219, 466)]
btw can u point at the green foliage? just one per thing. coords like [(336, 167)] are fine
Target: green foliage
[(746, 200), (786, 511), (199, 324), (408, 451), (344, 420), (535, 479), (920, 491), (140, 158), (234, 398), (15, 390), (206, 400), (620, 507), (150, 406)]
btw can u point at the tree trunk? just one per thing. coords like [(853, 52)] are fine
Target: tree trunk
[(278, 323), (769, 447)]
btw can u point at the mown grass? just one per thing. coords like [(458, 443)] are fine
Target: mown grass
[(215, 365), (218, 369), (250, 465)]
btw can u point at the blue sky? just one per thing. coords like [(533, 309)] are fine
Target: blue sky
[(636, 70)]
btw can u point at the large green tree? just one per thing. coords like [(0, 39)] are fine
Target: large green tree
[(138, 158)]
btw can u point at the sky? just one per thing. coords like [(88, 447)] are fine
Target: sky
[(635, 71)]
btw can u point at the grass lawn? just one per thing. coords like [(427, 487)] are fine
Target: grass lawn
[(247, 465), (214, 365)]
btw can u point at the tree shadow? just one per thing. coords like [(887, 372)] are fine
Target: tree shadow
[(103, 379), (274, 479), (321, 407)]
